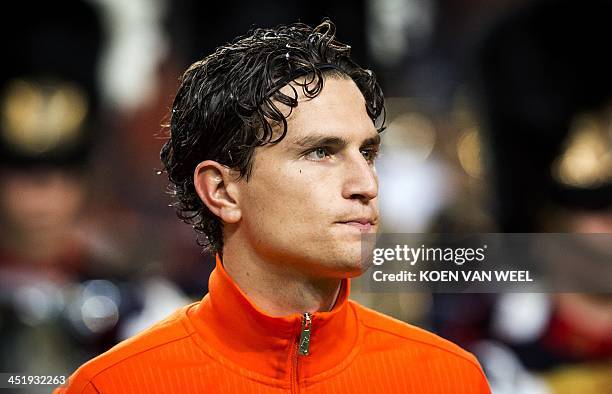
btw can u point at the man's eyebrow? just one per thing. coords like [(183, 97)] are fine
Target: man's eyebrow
[(310, 141), (372, 141), (339, 142)]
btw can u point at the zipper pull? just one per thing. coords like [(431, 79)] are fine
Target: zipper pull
[(304, 344)]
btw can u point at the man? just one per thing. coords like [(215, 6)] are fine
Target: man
[(271, 158)]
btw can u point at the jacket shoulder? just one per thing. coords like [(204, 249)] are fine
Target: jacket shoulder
[(148, 344), (398, 333)]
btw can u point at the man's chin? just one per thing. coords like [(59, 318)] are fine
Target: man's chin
[(349, 264), (355, 272)]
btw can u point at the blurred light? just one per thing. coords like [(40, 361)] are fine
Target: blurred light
[(101, 287), (412, 192), (413, 132), (586, 161), (521, 317), (161, 297), (73, 310), (94, 307), (505, 372), (37, 304), (33, 306), (99, 313), (135, 48), (397, 28), (414, 183), (37, 118), (469, 152)]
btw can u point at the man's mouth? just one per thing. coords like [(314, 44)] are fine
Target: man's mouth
[(362, 224)]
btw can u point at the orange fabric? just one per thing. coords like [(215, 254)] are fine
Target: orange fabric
[(225, 344)]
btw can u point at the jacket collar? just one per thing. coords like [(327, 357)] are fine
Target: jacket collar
[(230, 324)]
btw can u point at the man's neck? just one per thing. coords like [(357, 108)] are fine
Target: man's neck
[(276, 288)]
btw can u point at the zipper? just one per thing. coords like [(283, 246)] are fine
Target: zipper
[(304, 345), (302, 349)]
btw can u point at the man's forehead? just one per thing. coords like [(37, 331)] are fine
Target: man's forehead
[(338, 111)]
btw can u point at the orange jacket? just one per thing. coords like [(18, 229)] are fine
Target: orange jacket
[(225, 344)]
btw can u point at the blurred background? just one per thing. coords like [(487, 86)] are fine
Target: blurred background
[(499, 120)]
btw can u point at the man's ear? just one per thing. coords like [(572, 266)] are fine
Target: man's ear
[(215, 185)]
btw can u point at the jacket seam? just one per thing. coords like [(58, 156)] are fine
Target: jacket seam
[(133, 355), (90, 383), (475, 364)]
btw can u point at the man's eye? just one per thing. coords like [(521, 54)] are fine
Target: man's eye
[(370, 154), (317, 154)]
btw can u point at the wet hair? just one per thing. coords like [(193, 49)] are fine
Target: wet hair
[(226, 107)]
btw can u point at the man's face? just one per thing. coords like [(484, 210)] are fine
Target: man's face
[(311, 196)]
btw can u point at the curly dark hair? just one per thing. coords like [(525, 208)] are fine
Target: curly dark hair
[(225, 107)]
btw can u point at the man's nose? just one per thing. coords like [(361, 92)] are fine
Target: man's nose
[(361, 181)]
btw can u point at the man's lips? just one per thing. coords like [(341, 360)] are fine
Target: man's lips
[(362, 224)]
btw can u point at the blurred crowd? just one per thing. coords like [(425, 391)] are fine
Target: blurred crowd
[(499, 119)]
